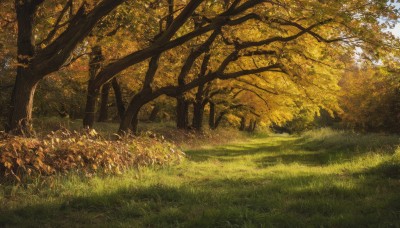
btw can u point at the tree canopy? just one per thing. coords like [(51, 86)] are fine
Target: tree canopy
[(264, 61)]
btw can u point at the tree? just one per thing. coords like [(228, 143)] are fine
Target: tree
[(370, 99), (238, 52), (37, 59), (163, 42), (44, 47), (110, 37)]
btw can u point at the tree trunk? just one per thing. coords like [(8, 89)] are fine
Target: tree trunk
[(20, 116), (90, 108), (105, 90), (96, 57), (146, 95), (198, 113), (20, 119), (219, 119), (34, 66), (211, 119), (253, 128), (182, 113), (153, 115), (242, 124), (250, 127), (200, 103), (129, 122), (135, 122), (118, 98)]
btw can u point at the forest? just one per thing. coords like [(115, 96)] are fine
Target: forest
[(199, 113)]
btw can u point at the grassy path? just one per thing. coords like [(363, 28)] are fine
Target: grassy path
[(274, 181)]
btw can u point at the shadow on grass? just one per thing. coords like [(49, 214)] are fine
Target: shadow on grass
[(228, 154), (387, 169), (293, 201)]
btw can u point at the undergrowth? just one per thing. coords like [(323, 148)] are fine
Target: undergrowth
[(83, 152), (183, 138)]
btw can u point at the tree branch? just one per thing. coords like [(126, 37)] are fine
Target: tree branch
[(256, 86), (56, 26), (114, 68), (53, 56)]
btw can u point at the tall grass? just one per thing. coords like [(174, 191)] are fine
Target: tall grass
[(340, 139)]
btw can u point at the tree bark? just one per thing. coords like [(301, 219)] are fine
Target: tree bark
[(219, 119), (242, 124), (250, 127), (253, 128), (129, 122), (96, 58), (90, 108), (20, 119), (20, 116), (211, 118), (146, 95), (198, 113), (103, 113), (200, 102), (153, 115), (118, 98), (182, 113)]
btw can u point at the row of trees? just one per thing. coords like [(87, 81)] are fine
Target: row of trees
[(263, 60)]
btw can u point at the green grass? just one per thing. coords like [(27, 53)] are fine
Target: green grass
[(325, 179)]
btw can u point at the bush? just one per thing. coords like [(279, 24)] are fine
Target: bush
[(86, 153)]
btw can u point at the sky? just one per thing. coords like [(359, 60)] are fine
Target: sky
[(396, 30)]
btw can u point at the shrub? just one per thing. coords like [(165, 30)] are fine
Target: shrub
[(86, 153)]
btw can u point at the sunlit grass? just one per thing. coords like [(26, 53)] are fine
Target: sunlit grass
[(264, 182)]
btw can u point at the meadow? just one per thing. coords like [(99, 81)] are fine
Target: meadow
[(166, 113), (322, 178)]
